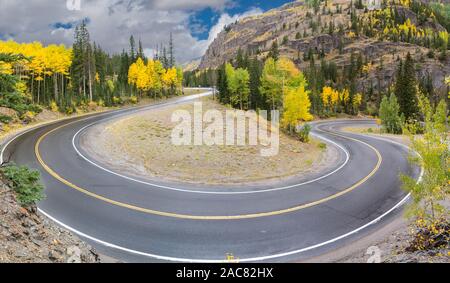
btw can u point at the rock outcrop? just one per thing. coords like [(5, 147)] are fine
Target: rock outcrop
[(27, 237)]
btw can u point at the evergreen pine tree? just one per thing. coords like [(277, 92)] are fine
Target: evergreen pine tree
[(255, 70), (406, 88), (83, 66), (140, 53), (132, 49), (222, 85), (240, 59), (274, 51), (171, 52), (123, 71), (165, 60)]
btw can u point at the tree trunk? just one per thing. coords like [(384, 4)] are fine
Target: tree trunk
[(32, 86), (84, 81), (241, 102), (39, 92), (90, 84), (43, 91), (55, 86), (62, 85)]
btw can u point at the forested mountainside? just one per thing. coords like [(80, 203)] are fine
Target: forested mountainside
[(343, 39)]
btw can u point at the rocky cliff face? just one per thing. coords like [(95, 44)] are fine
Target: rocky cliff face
[(297, 29), (255, 33)]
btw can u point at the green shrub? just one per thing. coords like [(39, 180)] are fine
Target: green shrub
[(372, 109), (117, 100), (429, 195), (389, 115), (133, 100), (5, 119), (16, 101), (25, 183), (70, 110), (304, 132), (322, 146)]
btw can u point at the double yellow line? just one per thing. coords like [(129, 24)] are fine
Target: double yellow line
[(196, 217)]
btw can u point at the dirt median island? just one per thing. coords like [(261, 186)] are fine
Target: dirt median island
[(141, 145)]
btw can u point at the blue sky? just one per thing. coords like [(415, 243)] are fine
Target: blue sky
[(194, 23), (202, 21)]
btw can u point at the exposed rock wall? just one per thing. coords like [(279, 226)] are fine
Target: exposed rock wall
[(27, 237)]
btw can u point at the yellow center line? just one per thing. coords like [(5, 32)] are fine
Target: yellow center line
[(196, 217)]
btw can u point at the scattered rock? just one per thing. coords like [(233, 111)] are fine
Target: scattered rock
[(8, 112), (26, 237)]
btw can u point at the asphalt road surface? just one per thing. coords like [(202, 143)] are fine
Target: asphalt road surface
[(133, 220)]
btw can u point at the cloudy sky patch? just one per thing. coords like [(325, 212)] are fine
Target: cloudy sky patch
[(194, 23)]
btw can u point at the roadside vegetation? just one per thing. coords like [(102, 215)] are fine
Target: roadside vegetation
[(25, 183), (431, 228), (25, 235), (428, 131)]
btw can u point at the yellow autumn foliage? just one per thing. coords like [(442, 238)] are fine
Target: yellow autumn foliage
[(330, 97), (52, 59), (296, 107), (153, 77)]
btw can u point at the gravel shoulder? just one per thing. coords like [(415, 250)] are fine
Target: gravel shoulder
[(390, 241)]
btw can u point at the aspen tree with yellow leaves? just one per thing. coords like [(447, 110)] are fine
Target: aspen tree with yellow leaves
[(152, 78), (276, 77), (138, 76), (296, 107), (285, 88), (170, 80), (46, 65), (239, 88)]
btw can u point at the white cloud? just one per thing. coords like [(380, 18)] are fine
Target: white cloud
[(190, 4), (224, 20), (149, 52), (112, 22)]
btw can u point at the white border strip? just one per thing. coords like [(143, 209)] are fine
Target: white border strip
[(212, 192), (255, 259)]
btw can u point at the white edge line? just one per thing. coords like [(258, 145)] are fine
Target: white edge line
[(210, 192), (174, 259)]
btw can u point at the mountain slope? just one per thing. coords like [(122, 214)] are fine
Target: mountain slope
[(330, 32)]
